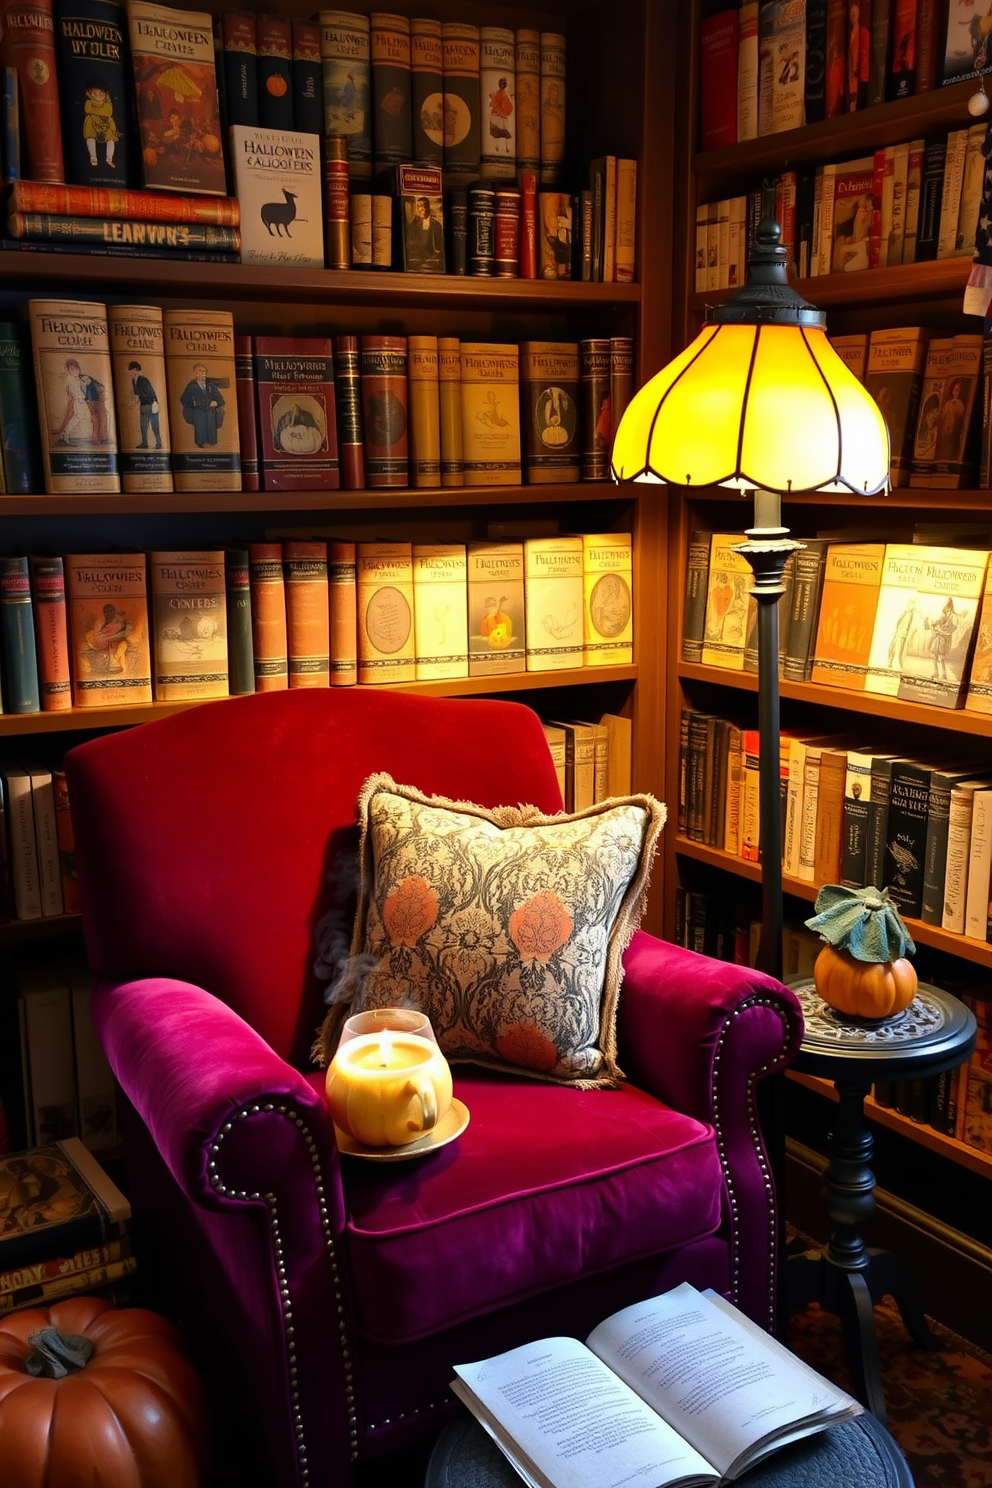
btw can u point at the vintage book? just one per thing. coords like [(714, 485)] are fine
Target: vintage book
[(906, 835), (976, 904), (307, 612), (621, 377), (189, 619), (728, 584), (942, 783), (497, 93), (553, 96), (939, 642), (960, 815), (17, 1282), (595, 420), (21, 691), (21, 451), (166, 238), (603, 185), (425, 412), (308, 79), (57, 1199), (46, 835), (553, 579), (344, 50), (203, 406), (297, 417), (419, 218), (853, 352), (74, 384), (804, 608), (552, 428), (851, 577), (857, 792), (244, 387), (490, 413), (828, 849), (237, 590), (481, 230), (449, 371), (51, 631), (386, 642), (554, 235), (348, 392), (462, 103), (27, 46), (137, 349), (894, 377), (426, 92), (92, 1281), (718, 63), (619, 754), (972, 179), (973, 1125), (270, 639), (795, 747), (946, 446), (385, 416), (46, 1008), (22, 842), (527, 264), (274, 67), (978, 693), (608, 607), (440, 610), (894, 616), (237, 62), (175, 79), (389, 54), (928, 23), (555, 736), (110, 656), (94, 81), (580, 764), (279, 185), (496, 635), (950, 193), (747, 72), (850, 215), (132, 206), (343, 612), (699, 773), (527, 63)]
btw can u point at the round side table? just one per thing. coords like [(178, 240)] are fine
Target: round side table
[(935, 1033)]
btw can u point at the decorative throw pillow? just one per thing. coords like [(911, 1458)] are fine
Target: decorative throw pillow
[(506, 926)]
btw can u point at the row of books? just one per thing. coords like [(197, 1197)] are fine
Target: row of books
[(64, 1227), (592, 759), (37, 847), (110, 93), (901, 619), (904, 203), (920, 825), (771, 65), (153, 401)]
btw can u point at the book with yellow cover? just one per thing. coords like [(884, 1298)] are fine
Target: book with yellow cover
[(978, 695), (440, 610), (495, 608), (490, 414), (74, 383), (107, 596), (941, 637), (425, 411), (608, 608), (189, 619), (851, 578), (386, 642), (203, 406), (449, 374), (727, 590), (553, 593), (894, 616)]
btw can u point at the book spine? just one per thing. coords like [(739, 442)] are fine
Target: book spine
[(426, 91), (307, 613), (497, 91), (351, 440), (621, 377), (959, 822), (901, 40), (719, 36), (94, 87), (27, 43), (595, 422), (297, 419), (460, 53), (928, 19), (244, 388), (694, 595), (138, 357), (337, 203), (118, 250), (308, 79), (553, 94), (239, 67), (73, 381), (134, 206), (456, 248), (344, 51), (624, 264), (51, 633), (389, 53), (21, 693), (181, 133), (343, 607), (46, 837), (906, 836), (527, 71), (240, 653), (22, 843), (109, 652), (450, 411), (275, 72), (550, 391), (878, 60), (506, 233), (878, 822), (32, 1273), (18, 413), (112, 231), (807, 585), (384, 580), (189, 615), (385, 411), (816, 60), (857, 787), (425, 411), (440, 610), (976, 906), (68, 1286), (203, 406), (270, 640), (935, 851), (481, 246), (528, 224)]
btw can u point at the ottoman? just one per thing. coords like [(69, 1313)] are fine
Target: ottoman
[(855, 1454)]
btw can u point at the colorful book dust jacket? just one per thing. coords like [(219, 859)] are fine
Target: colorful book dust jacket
[(495, 608), (297, 421), (941, 636), (727, 590), (203, 404), (344, 51), (95, 93), (175, 79), (386, 642), (138, 352), (189, 618), (852, 575), (552, 427), (27, 47), (608, 603), (490, 413), (107, 597), (279, 186), (74, 384)]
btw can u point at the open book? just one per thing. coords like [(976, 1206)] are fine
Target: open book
[(680, 1389)]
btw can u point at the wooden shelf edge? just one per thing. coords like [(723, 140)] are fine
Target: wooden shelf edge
[(911, 498), (13, 932), (915, 1131), (935, 279)]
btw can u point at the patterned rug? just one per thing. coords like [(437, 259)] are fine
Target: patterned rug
[(939, 1404)]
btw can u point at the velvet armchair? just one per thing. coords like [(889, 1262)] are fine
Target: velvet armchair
[(329, 1297)]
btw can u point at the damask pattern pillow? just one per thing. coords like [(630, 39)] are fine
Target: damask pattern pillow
[(507, 927)]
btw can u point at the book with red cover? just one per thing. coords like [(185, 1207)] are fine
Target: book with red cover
[(244, 383), (133, 206), (27, 44), (385, 411), (51, 631), (297, 420), (307, 612), (718, 35), (351, 440)]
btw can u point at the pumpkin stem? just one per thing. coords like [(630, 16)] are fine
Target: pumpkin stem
[(54, 1355)]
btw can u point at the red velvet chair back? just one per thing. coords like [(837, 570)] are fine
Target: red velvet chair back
[(282, 852)]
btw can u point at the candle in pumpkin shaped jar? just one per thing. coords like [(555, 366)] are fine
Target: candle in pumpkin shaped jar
[(387, 1089)]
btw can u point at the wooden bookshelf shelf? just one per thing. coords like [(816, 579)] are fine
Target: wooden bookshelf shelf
[(940, 279), (14, 932)]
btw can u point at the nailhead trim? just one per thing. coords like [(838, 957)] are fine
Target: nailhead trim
[(285, 1299), (755, 1133)]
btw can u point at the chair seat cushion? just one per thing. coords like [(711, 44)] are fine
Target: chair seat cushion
[(545, 1185)]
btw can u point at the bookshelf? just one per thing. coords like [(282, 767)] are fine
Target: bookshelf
[(614, 106), (925, 293)]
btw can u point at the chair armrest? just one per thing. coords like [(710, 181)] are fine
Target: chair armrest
[(674, 1019)]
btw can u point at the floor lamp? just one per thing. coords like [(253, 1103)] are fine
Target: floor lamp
[(760, 402)]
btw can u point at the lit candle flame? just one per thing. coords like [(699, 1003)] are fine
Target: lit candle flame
[(385, 1048)]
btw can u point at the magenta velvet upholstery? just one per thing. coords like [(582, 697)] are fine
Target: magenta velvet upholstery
[(331, 1297)]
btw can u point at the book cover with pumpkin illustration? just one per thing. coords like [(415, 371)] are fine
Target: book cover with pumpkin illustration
[(175, 79), (495, 609)]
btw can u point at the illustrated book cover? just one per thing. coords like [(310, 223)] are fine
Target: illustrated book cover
[(851, 577), (941, 635), (495, 608), (188, 602), (727, 588), (279, 186), (175, 80), (107, 598), (74, 384), (55, 1199), (297, 419)]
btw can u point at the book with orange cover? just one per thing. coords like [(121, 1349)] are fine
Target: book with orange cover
[(131, 206), (307, 612), (343, 609), (270, 640), (107, 596), (852, 576), (51, 631), (425, 412)]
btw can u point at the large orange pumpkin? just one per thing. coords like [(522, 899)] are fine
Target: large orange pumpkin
[(133, 1414), (864, 989)]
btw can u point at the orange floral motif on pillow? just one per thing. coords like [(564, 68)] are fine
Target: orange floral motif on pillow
[(507, 927)]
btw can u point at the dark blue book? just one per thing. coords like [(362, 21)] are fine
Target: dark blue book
[(816, 60), (275, 72), (11, 127), (95, 93), (237, 44), (22, 467), (21, 691), (308, 79)]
